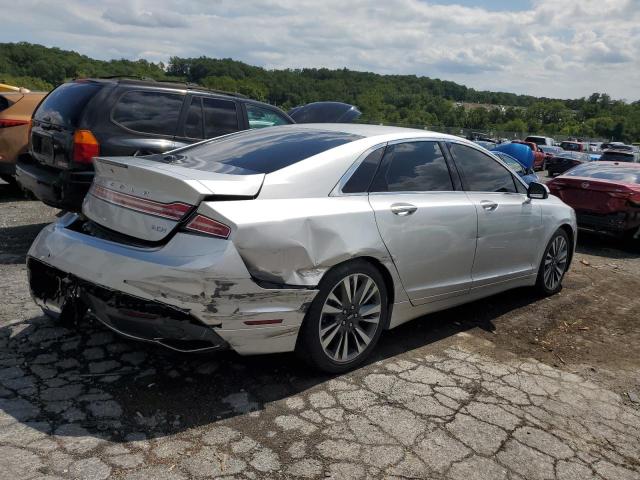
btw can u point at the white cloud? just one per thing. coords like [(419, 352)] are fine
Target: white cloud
[(559, 48)]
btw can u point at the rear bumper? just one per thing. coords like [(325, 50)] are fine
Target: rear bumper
[(197, 281), (616, 223), (59, 188)]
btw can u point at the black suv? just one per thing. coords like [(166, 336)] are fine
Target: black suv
[(85, 118)]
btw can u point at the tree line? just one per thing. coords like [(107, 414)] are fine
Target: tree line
[(393, 99)]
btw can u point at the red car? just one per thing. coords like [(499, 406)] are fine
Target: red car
[(605, 196), (538, 154)]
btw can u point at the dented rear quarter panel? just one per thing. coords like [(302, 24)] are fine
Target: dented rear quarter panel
[(297, 242)]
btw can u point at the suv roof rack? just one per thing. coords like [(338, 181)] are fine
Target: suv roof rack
[(189, 85)]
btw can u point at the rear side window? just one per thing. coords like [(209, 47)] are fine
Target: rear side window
[(361, 178), (220, 117), (259, 151), (64, 105), (481, 173), (263, 117), (149, 112), (413, 167)]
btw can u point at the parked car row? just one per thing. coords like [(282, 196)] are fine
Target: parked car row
[(85, 118)]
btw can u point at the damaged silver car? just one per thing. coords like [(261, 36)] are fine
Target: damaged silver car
[(313, 238)]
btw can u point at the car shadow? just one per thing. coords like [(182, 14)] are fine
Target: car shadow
[(600, 245), (85, 381), (15, 242), (10, 192)]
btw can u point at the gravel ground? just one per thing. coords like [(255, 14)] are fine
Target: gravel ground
[(512, 387)]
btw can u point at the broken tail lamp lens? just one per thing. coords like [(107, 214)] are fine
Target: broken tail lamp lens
[(173, 211), (208, 226)]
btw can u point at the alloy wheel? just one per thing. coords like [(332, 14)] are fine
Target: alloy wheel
[(350, 317), (555, 262)]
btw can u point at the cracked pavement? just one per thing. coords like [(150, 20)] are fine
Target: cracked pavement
[(444, 398)]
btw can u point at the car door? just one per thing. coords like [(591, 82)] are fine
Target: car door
[(509, 223), (428, 227)]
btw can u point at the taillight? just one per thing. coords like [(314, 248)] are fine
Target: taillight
[(8, 122), (208, 226), (85, 146), (173, 211)]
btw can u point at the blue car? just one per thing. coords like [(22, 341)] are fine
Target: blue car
[(519, 157)]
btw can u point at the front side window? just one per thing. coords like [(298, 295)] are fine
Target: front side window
[(149, 112), (413, 167), (481, 172), (263, 117), (220, 117)]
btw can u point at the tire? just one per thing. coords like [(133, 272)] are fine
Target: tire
[(554, 264), (334, 318)]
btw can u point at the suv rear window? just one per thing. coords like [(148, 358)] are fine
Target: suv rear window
[(65, 104), (258, 151), (149, 112)]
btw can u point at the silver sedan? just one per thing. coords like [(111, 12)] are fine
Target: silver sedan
[(313, 238)]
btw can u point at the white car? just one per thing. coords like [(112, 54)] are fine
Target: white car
[(313, 238)]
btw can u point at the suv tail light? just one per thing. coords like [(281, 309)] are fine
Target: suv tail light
[(208, 226), (8, 122), (85, 146)]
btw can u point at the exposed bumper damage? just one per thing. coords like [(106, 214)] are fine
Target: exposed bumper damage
[(192, 284)]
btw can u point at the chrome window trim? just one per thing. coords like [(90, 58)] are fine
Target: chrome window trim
[(337, 190)]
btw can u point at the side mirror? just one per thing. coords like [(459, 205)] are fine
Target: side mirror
[(538, 191)]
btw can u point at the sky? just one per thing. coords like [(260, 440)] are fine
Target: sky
[(553, 48)]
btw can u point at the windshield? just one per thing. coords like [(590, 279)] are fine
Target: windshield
[(606, 172), (617, 156), (571, 146), (257, 151)]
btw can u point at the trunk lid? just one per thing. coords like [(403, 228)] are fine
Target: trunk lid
[(595, 196), (147, 199)]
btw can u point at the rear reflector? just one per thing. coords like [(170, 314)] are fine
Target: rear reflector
[(208, 226), (262, 322), (7, 122), (173, 211), (85, 146)]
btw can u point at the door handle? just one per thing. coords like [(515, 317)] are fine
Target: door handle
[(488, 205), (403, 209)]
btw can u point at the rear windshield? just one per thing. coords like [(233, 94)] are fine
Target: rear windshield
[(257, 151), (617, 157), (605, 172), (65, 104)]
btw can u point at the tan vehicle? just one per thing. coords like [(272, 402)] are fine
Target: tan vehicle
[(16, 108)]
